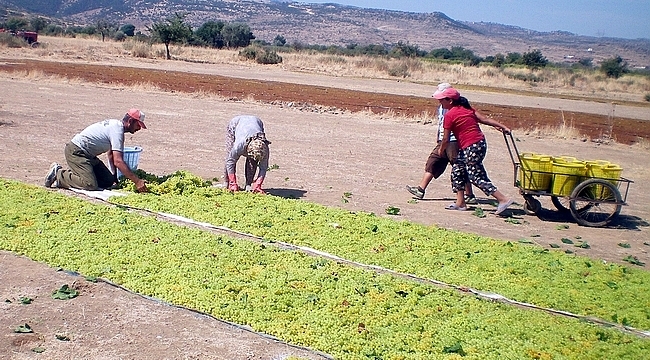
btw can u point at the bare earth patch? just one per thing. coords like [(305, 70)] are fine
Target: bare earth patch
[(320, 155)]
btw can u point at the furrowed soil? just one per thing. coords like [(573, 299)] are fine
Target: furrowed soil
[(330, 136)]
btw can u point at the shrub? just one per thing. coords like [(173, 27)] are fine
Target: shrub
[(647, 97), (332, 59), (11, 41), (365, 63), (534, 59), (498, 61), (119, 36), (268, 57), (279, 40), (138, 49), (532, 78), (141, 50), (399, 70), (614, 67), (586, 62), (249, 53)]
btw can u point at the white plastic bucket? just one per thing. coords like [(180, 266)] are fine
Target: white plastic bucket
[(131, 156)]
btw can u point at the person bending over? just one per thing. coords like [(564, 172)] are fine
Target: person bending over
[(245, 136)]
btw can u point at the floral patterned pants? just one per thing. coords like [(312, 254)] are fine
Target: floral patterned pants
[(469, 167)]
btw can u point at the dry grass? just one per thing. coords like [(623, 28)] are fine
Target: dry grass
[(551, 82), (642, 144), (39, 76), (556, 132), (42, 77), (562, 131)]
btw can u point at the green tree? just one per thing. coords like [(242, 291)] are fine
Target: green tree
[(38, 24), (534, 59), (128, 29), (403, 49), (105, 28), (16, 23), (279, 40), (237, 35), (499, 60), (442, 53), (460, 53), (373, 49), (513, 58), (586, 62), (54, 30), (171, 30), (210, 33), (614, 67)]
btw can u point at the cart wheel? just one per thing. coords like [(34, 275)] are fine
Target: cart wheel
[(595, 202), (562, 204), (532, 206)]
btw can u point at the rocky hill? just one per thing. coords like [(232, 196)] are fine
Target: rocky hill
[(332, 24)]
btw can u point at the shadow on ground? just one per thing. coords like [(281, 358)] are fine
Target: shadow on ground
[(286, 193), (622, 221)]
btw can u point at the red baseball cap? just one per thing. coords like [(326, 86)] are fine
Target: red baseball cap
[(450, 93), (138, 115)]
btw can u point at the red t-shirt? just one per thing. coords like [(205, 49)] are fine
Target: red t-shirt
[(464, 124)]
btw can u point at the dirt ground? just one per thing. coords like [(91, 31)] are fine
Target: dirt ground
[(321, 153), (625, 128)]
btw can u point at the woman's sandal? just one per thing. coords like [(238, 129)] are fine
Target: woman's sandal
[(453, 206)]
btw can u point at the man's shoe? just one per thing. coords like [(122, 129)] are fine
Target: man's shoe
[(51, 175), (415, 191), (471, 199)]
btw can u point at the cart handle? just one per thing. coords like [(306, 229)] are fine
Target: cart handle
[(510, 144)]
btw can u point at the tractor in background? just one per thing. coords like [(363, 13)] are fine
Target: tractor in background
[(31, 37)]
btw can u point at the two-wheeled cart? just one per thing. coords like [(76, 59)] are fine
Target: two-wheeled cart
[(590, 194)]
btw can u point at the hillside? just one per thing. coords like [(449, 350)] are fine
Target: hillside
[(332, 24)]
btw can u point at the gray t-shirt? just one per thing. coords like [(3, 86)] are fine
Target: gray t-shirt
[(101, 137), (441, 129)]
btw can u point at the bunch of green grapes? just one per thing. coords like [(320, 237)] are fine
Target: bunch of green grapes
[(176, 183), (182, 181)]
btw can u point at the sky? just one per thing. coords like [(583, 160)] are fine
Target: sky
[(628, 19)]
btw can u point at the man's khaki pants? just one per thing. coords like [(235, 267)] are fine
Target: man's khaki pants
[(86, 172)]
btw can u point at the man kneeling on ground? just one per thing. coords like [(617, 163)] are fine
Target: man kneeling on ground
[(87, 171)]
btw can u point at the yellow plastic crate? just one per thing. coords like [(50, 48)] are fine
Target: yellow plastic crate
[(604, 170), (535, 171), (566, 176)]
